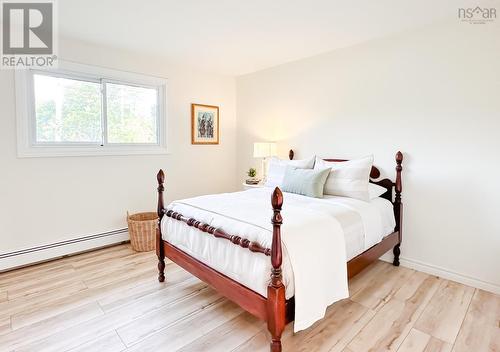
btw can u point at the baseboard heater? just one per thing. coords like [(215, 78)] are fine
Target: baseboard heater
[(14, 259)]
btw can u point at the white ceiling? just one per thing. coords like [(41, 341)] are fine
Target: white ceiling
[(240, 36)]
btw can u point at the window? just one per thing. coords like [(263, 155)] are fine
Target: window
[(85, 110)]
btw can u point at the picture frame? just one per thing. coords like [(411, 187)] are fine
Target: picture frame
[(204, 124)]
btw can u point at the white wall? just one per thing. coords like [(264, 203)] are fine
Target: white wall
[(434, 94), (44, 200)]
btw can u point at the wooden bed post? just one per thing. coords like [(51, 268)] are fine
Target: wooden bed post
[(398, 207), (276, 309), (160, 177)]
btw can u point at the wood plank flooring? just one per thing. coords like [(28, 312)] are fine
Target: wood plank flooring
[(109, 301)]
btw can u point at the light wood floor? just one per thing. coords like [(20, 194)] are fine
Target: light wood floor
[(110, 300)]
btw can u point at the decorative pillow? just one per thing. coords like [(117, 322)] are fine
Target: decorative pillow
[(277, 168), (347, 178), (307, 182), (375, 190)]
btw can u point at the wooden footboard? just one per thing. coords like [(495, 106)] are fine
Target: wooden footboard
[(274, 309)]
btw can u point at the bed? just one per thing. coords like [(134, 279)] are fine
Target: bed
[(223, 240)]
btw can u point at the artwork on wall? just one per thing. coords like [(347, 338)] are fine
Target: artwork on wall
[(204, 124)]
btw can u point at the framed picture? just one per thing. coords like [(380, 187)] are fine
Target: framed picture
[(204, 124)]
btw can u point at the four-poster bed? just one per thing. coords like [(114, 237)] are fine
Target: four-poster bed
[(273, 308)]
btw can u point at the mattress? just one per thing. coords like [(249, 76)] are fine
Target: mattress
[(253, 269)]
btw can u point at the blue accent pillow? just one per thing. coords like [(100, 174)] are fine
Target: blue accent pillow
[(306, 182)]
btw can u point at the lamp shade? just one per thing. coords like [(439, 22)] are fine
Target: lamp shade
[(264, 149)]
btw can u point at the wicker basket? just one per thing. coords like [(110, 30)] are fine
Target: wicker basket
[(142, 231)]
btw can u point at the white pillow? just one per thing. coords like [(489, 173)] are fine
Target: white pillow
[(375, 190), (348, 178), (277, 168)]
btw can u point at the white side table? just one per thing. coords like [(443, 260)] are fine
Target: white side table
[(247, 186)]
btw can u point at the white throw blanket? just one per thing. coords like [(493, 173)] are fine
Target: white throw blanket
[(313, 239)]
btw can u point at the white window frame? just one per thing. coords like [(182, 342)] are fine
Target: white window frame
[(27, 146)]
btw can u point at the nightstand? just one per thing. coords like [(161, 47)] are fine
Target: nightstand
[(247, 186)]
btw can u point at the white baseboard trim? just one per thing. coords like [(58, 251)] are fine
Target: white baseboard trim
[(446, 274), (12, 260)]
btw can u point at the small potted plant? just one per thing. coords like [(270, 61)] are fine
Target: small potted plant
[(252, 173)]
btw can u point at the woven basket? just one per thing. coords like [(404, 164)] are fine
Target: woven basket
[(142, 231)]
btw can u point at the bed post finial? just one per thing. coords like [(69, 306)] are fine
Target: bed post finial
[(398, 207), (277, 220), (160, 177), (399, 168), (291, 153), (276, 308)]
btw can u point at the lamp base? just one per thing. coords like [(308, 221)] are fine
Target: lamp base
[(264, 170)]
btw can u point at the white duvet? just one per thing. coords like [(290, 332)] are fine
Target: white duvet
[(315, 235)]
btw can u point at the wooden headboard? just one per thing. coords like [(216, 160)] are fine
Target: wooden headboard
[(375, 174)]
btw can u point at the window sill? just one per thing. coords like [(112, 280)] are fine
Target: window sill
[(48, 152)]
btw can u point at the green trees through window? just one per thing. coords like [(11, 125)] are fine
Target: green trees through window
[(131, 113), (71, 111)]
